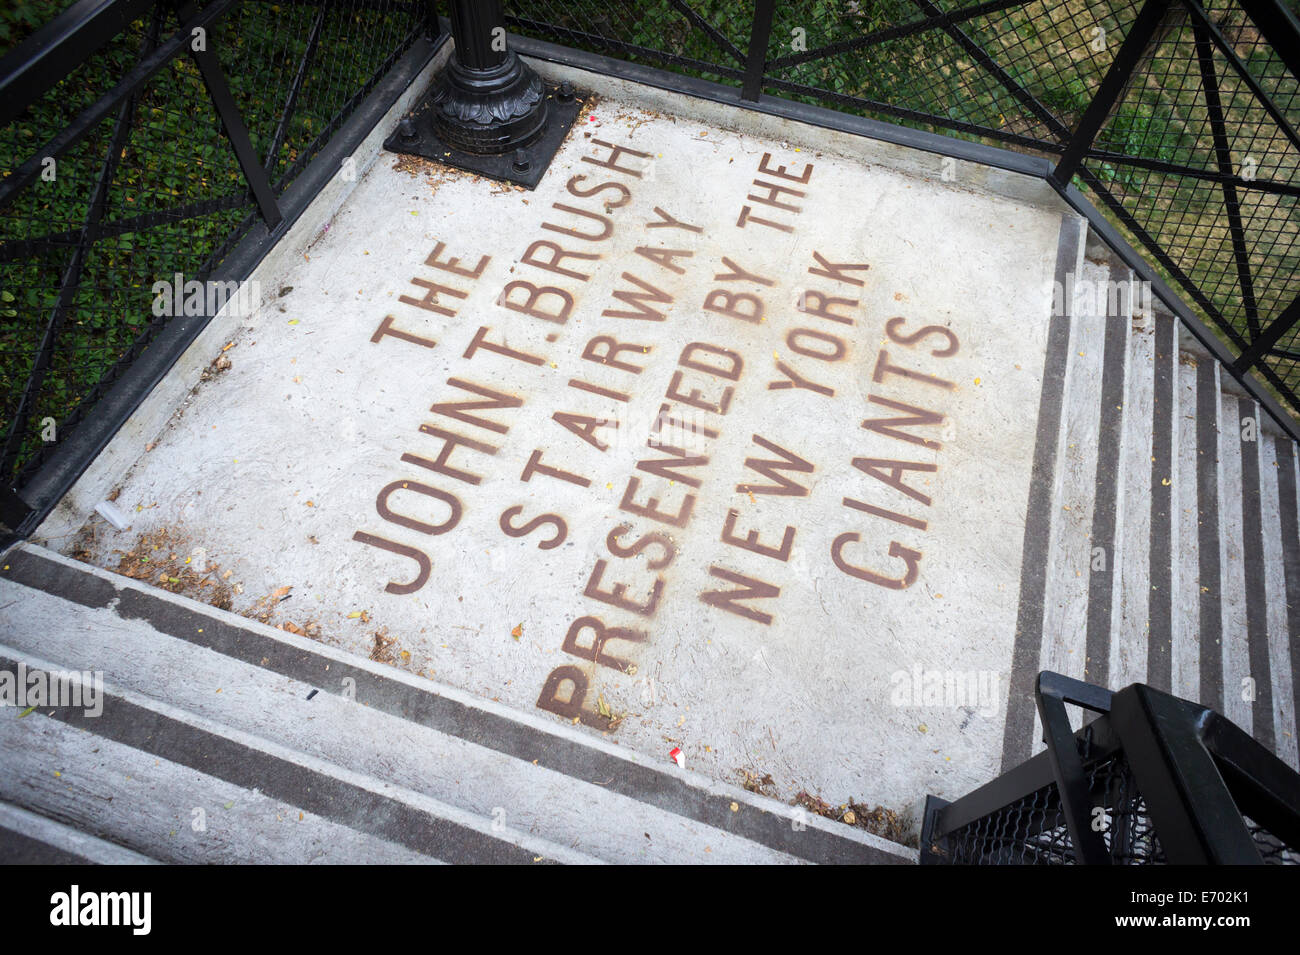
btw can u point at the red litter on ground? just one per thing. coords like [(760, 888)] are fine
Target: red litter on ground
[(678, 756)]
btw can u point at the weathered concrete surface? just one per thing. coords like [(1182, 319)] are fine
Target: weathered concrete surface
[(322, 440), (286, 750)]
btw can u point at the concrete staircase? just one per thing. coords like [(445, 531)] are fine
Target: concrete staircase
[(224, 740), (1172, 554)]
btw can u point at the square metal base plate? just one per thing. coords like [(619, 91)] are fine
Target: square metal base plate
[(427, 145)]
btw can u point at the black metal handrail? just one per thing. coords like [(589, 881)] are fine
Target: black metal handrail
[(1154, 779), (110, 94)]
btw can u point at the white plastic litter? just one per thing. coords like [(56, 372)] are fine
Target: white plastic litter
[(113, 514)]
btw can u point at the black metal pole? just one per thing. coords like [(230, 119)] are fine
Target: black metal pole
[(486, 101), (1111, 89), (760, 33), (1269, 337)]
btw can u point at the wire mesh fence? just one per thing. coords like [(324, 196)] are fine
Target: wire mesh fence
[(1202, 157), (123, 174), (1032, 830), (1195, 162), (105, 193)]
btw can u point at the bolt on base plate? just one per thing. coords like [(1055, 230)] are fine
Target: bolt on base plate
[(415, 136)]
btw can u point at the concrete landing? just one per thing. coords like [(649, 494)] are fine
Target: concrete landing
[(713, 442)]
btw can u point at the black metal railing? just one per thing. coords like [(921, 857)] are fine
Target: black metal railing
[(139, 140), (1177, 117), (128, 155), (1153, 780)]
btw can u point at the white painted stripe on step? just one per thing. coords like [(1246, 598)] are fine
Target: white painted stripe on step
[(1162, 565), (1065, 618), (432, 808), (1065, 594), (1108, 516), (1234, 644), (1128, 648), (1279, 648), (1292, 543), (1209, 526), (66, 838), (169, 811), (497, 787), (698, 790)]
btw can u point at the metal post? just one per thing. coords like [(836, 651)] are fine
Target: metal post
[(1268, 339), (486, 101), (1053, 691), (1111, 89), (13, 509), (759, 34)]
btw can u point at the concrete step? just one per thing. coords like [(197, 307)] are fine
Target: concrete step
[(293, 751), (1172, 529), (1083, 593), (27, 838)]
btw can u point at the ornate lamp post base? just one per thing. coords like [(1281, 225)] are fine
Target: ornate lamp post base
[(488, 112)]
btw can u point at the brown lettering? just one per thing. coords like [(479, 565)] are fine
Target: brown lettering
[(585, 427), (561, 528), (638, 301), (558, 255), (606, 223), (751, 540), (601, 636), (480, 341), (493, 400), (388, 514), (728, 303), (615, 153), (645, 540), (797, 381), (914, 416), (891, 329), (451, 442), (386, 328), (535, 466), (651, 507), (780, 170), (617, 597), (782, 486), (885, 367), (422, 564), (749, 589), (837, 270), (453, 265), (911, 558), (612, 350), (429, 301), (534, 293)]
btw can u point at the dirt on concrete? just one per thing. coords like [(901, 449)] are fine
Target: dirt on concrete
[(879, 821)]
